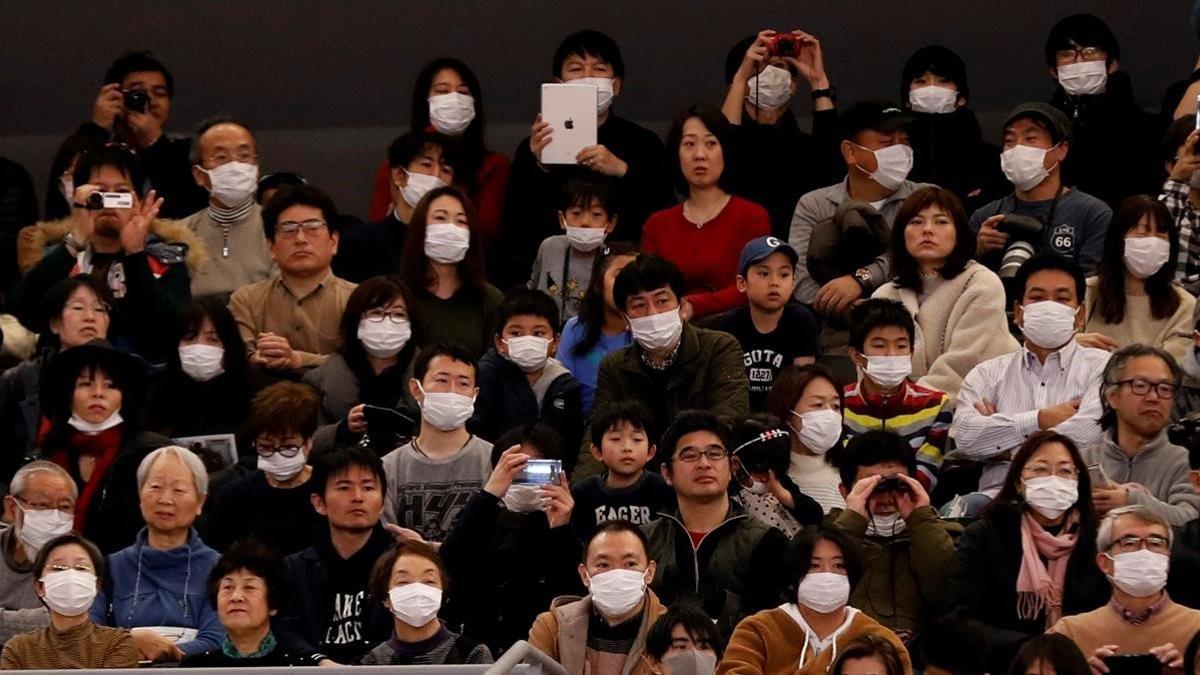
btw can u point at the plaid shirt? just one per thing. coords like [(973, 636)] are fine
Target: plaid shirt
[(1175, 197)]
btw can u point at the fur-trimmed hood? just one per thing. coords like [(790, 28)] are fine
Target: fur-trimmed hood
[(33, 240)]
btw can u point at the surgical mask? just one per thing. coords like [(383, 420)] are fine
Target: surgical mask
[(932, 99), (522, 499), (770, 89), (80, 424), (201, 362), (233, 183), (39, 526), (67, 185), (451, 113), (604, 91), (415, 604), (823, 592), (892, 165), (1051, 496), (889, 371), (528, 352), (384, 339), (1048, 324), (1146, 255), (691, 662), (1140, 573), (419, 185), (616, 592), (282, 468), (446, 410), (586, 239), (446, 242), (657, 331), (820, 429), (886, 526), (1025, 166), (1084, 77), (69, 592)]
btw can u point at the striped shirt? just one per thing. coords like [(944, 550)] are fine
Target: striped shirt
[(1017, 385), (1175, 197), (920, 415)]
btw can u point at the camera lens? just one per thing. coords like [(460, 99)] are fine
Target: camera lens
[(1014, 257), (136, 100), (95, 201)]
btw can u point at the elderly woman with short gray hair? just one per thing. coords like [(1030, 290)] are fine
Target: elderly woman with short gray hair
[(157, 586)]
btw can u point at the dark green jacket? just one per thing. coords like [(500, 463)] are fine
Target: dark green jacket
[(708, 374)]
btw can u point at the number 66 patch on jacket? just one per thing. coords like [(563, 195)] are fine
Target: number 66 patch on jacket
[(1062, 239)]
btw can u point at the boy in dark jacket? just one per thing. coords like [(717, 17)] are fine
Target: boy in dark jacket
[(519, 380)]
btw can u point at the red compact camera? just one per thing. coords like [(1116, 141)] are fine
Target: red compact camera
[(784, 44)]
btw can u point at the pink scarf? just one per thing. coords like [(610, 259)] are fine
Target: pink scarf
[(1040, 589)]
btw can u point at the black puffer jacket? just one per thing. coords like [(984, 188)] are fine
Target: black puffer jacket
[(948, 150)]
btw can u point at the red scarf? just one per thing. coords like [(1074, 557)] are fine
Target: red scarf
[(104, 446)]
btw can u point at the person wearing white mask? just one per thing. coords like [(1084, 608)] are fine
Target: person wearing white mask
[(809, 401), (683, 642), (40, 504), (878, 159), (605, 631), (432, 477), (672, 365), (68, 573), (709, 551), (371, 368), (806, 633), (1030, 559), (417, 162), (1037, 140), (224, 158), (1134, 551), (1115, 141), (271, 504), (1052, 382), (776, 161), (410, 580), (1133, 297), (563, 268), (442, 266)]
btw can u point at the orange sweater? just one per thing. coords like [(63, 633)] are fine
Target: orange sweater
[(771, 642), (1172, 623)]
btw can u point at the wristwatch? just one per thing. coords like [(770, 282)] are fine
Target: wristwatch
[(863, 276), (830, 91)]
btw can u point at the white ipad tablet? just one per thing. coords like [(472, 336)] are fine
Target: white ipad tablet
[(570, 110)]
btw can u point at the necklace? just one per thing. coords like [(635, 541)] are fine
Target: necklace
[(700, 219)]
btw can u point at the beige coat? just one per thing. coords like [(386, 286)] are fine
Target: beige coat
[(1174, 333), (561, 634)]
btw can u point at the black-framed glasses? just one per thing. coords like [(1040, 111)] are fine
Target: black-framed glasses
[(1142, 387), (265, 450), (1132, 542), (289, 228), (1077, 54), (714, 453), (378, 315)]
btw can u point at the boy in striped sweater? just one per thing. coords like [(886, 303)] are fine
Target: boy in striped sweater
[(881, 340)]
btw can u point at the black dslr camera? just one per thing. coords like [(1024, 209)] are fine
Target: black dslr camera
[(1025, 238), (136, 100)]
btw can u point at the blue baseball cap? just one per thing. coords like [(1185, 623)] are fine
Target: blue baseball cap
[(757, 250)]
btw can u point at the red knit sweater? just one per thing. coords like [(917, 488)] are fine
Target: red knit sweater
[(707, 255)]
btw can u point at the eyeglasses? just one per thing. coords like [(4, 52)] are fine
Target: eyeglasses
[(1044, 470), (378, 315), (1076, 54), (224, 157), (289, 228), (264, 450), (79, 307), (714, 453), (1130, 543), (1142, 387)]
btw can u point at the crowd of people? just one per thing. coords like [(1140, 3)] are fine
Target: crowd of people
[(879, 398)]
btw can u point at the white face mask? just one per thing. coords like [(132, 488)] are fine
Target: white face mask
[(820, 429), (771, 89), (889, 371), (201, 362), (823, 592), (419, 185), (892, 165), (617, 592), (80, 424), (69, 592), (522, 499), (282, 468), (586, 239), (415, 604), (446, 242), (446, 410), (451, 113), (690, 662), (1025, 166), (1140, 573), (233, 183), (1146, 255), (1048, 324), (932, 99), (1084, 77), (657, 331), (604, 91), (528, 352), (886, 526), (384, 339), (1051, 496), (39, 526)]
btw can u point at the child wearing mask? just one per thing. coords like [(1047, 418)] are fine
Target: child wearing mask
[(563, 268), (881, 339), (761, 485)]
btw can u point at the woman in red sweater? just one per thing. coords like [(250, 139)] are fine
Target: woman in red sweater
[(447, 99), (704, 235)]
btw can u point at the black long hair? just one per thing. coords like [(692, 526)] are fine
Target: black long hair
[(1010, 495), (472, 145), (906, 272), (1110, 290), (591, 309)]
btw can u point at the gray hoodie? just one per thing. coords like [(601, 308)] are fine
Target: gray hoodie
[(1159, 466)]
